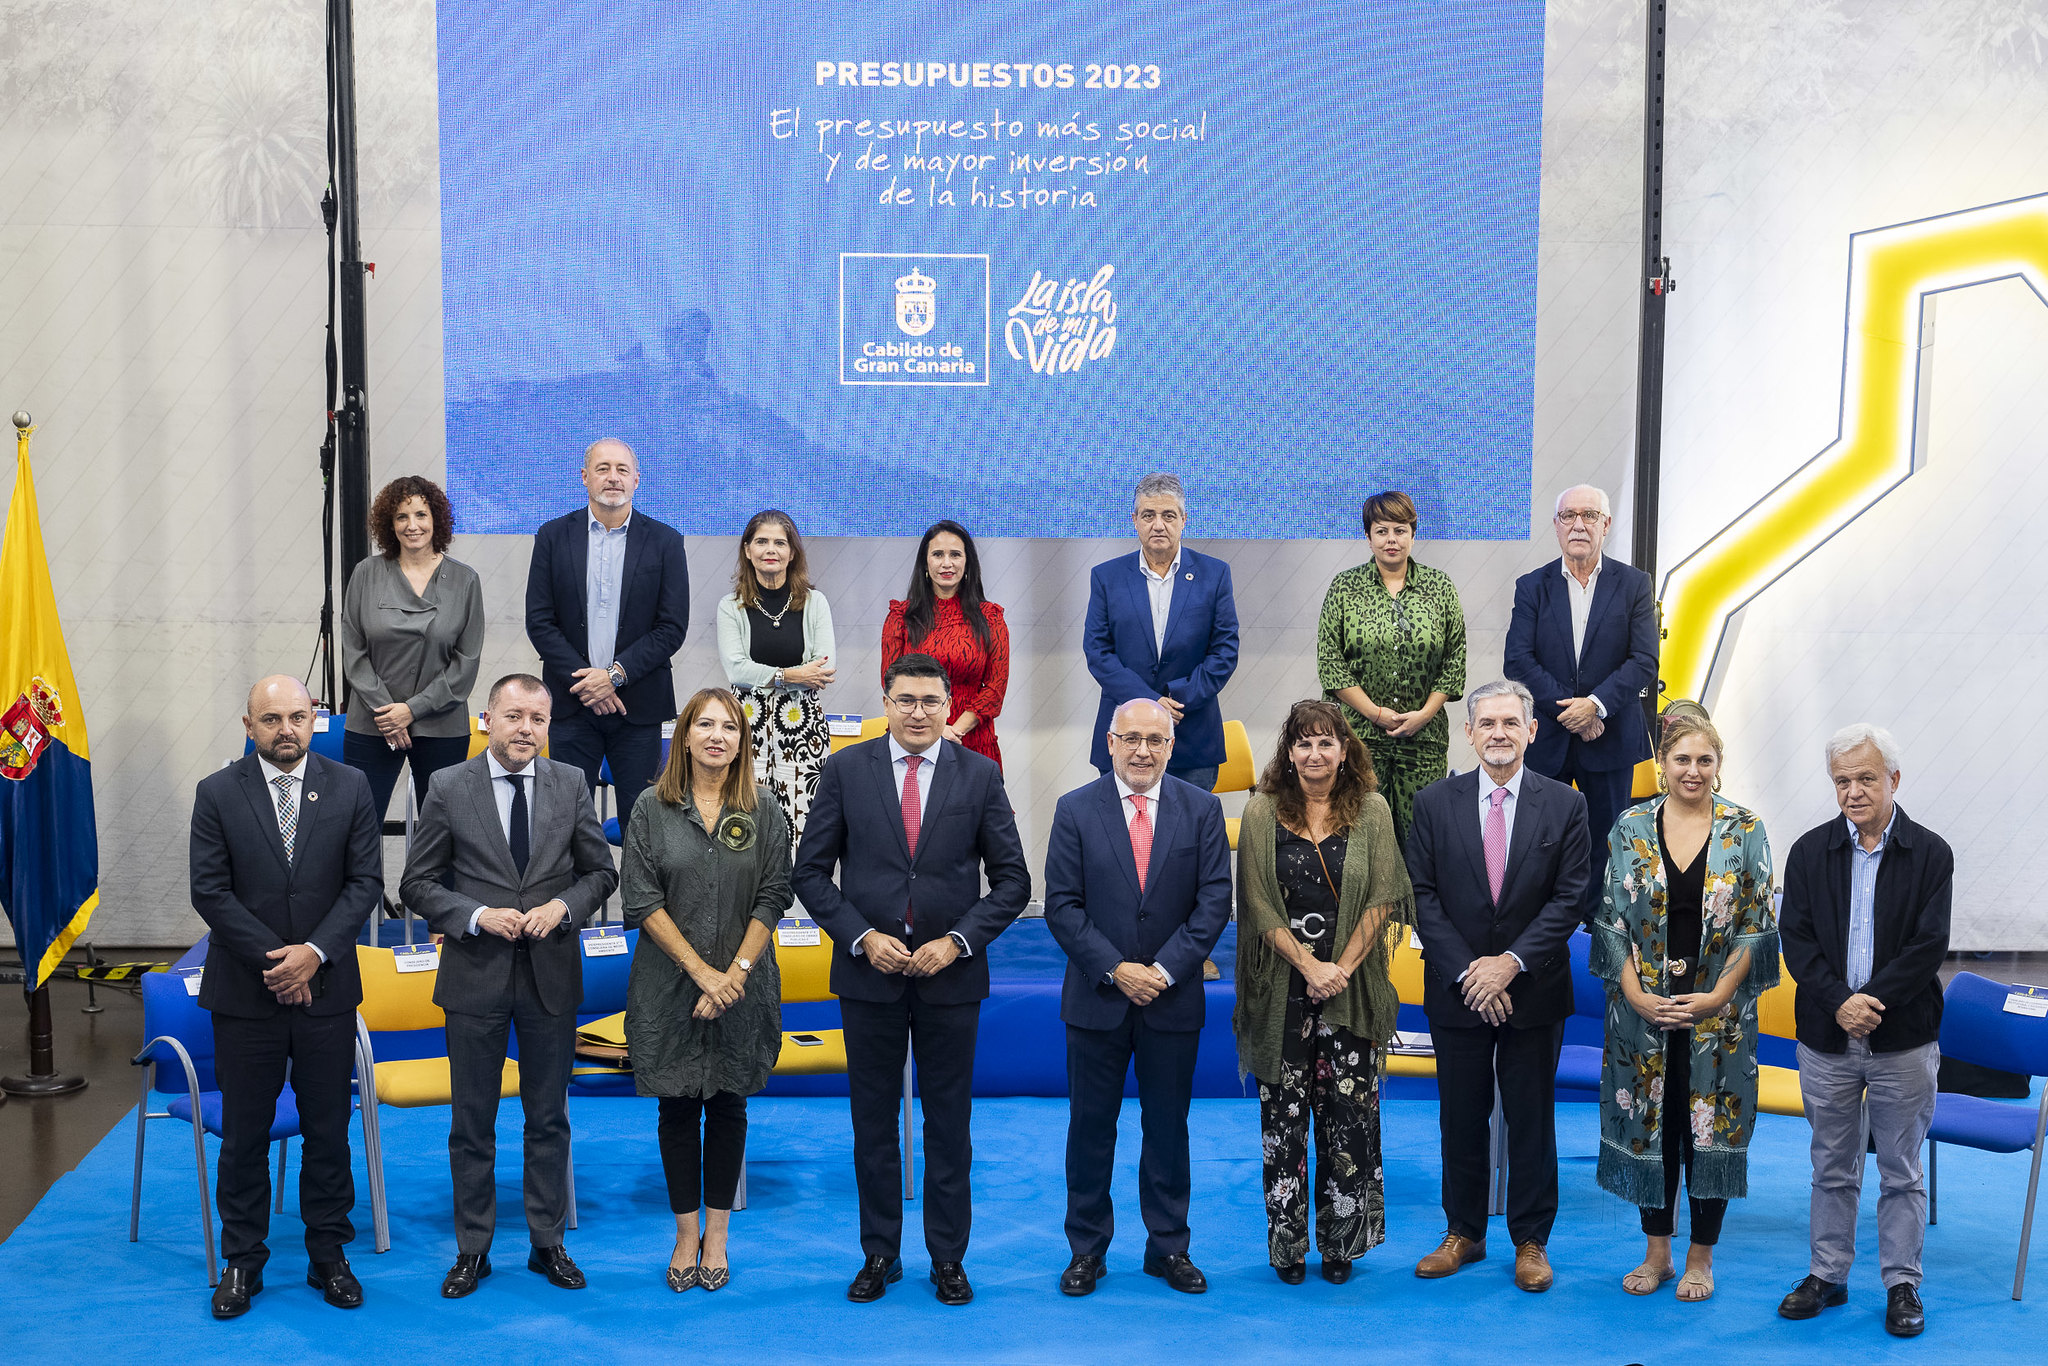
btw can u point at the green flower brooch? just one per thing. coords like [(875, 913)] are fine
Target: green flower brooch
[(736, 832)]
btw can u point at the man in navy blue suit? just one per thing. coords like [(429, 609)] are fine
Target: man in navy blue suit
[(1162, 624), (1583, 639), (1135, 935), (607, 606)]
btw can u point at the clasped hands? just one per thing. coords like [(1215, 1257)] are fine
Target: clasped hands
[(291, 981), (1579, 716), (888, 954), (509, 924), (1682, 1011), (593, 688), (1860, 1014), (721, 991), (394, 723), (1485, 985), (1139, 982)]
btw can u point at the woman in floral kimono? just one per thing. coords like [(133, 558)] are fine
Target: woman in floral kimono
[(1686, 940)]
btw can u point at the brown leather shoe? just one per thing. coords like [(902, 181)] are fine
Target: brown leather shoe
[(1454, 1252), (1532, 1268)]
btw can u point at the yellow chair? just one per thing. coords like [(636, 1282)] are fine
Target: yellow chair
[(871, 727), (1404, 966), (1238, 772), (1644, 784), (1777, 1088), (393, 1002)]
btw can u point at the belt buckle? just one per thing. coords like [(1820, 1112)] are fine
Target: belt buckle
[(1675, 966)]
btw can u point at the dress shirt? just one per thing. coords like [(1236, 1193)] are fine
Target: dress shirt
[(897, 765), (1124, 792), (1507, 811), (271, 773), (501, 792), (604, 583), (1863, 902), (1160, 588), (1582, 612)]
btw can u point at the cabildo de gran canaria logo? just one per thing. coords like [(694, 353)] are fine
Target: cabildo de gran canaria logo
[(929, 325), (916, 302)]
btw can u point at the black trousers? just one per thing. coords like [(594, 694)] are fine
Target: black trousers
[(380, 763), (250, 1059), (1470, 1062), (1096, 1062), (1706, 1214), (941, 1038), (1607, 795), (476, 1063), (632, 745), (702, 1166)]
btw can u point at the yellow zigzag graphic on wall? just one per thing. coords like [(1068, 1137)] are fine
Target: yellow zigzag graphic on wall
[(1894, 274)]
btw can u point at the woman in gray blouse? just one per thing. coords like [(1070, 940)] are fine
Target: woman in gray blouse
[(705, 880), (412, 633)]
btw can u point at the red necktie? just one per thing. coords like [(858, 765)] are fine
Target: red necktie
[(910, 809), (1141, 840)]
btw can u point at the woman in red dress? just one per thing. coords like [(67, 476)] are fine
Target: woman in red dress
[(945, 616)]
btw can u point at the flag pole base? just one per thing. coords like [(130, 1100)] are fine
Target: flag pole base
[(41, 1085)]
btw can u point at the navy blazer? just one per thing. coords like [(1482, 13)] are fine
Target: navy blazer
[(1549, 860), (1098, 916), (856, 828), (1200, 654), (1618, 662), (654, 612), (1909, 939), (253, 900)]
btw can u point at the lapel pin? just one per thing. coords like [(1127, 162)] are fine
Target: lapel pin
[(1191, 578), (312, 796)]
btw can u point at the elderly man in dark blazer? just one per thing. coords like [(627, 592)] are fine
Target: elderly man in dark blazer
[(1583, 639), (287, 865), (1865, 928), (507, 862), (1135, 936), (910, 822), (607, 607), (1499, 858)]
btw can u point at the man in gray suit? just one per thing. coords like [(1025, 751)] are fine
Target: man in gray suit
[(523, 870)]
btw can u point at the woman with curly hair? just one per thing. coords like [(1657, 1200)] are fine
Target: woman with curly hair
[(705, 879), (1320, 879), (1686, 940), (412, 633)]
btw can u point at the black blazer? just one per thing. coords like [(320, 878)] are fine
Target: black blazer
[(253, 901), (856, 827), (1909, 939), (1549, 860), (654, 612), (1098, 916), (1618, 662)]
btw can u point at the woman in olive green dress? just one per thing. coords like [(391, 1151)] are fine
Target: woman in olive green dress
[(1391, 649), (705, 880)]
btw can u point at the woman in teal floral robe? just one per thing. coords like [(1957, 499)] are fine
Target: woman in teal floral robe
[(1735, 960)]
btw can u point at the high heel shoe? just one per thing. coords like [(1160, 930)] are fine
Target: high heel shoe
[(714, 1277), (681, 1278)]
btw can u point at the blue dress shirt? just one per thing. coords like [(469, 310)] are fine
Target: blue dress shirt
[(604, 583), (1863, 902)]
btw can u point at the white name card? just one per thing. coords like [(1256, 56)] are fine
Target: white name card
[(416, 957), (191, 976), (838, 723), (603, 941), (668, 730), (2027, 1003), (797, 934)]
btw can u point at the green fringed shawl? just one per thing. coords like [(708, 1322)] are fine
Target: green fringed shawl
[(1373, 876), (1736, 915)]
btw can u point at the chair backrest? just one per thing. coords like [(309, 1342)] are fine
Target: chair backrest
[(169, 1010), (605, 978), (873, 727), (1404, 963), (1774, 1017), (1238, 771), (1977, 1028), (394, 1000), (806, 970), (1643, 783), (1589, 993)]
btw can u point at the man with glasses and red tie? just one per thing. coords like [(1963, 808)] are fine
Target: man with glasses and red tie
[(1137, 891), (909, 822)]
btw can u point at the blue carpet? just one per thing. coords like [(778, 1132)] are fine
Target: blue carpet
[(72, 1285)]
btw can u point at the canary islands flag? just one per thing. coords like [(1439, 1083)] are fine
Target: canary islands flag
[(49, 850)]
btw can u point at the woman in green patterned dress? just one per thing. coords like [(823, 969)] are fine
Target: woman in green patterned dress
[(1391, 649)]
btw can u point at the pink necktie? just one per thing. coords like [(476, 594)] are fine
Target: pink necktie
[(1141, 840), (1496, 843), (911, 808)]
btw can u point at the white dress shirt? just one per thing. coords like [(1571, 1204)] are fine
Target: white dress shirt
[(1513, 787), (1124, 792), (899, 765), (1160, 588), (1582, 612), (297, 773), (501, 792)]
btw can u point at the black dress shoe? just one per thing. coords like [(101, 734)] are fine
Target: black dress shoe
[(238, 1284), (1081, 1275), (873, 1280), (1336, 1270), (1177, 1271), (1903, 1316), (553, 1262), (1811, 1296), (336, 1283), (461, 1279), (1294, 1274), (951, 1279)]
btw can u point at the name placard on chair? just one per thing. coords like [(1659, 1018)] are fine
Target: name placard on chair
[(415, 957), (794, 934), (2027, 1001), (603, 941)]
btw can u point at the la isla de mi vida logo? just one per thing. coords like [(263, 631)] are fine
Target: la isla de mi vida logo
[(1057, 326)]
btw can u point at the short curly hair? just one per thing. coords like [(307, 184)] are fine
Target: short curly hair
[(393, 495)]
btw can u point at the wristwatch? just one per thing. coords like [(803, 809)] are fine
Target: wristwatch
[(777, 680), (616, 674), (745, 964)]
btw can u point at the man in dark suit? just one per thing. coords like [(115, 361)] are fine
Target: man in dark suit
[(1162, 624), (607, 606), (910, 821), (507, 875), (1499, 858), (287, 864), (1583, 639), (1135, 937), (1865, 928)]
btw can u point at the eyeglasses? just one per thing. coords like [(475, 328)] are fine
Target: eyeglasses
[(1586, 518), (919, 705), (1133, 740)]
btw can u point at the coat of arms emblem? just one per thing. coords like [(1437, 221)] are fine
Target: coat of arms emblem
[(25, 729), (916, 302)]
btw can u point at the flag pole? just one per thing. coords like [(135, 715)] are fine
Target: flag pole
[(43, 1078)]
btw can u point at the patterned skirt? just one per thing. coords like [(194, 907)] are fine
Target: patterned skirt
[(791, 740)]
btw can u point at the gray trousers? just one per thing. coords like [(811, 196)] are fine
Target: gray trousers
[(1888, 1097), (476, 1061)]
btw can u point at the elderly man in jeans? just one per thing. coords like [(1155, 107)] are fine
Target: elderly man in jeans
[(1865, 927)]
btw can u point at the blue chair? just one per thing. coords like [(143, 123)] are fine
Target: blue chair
[(1585, 1048), (1977, 1028)]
